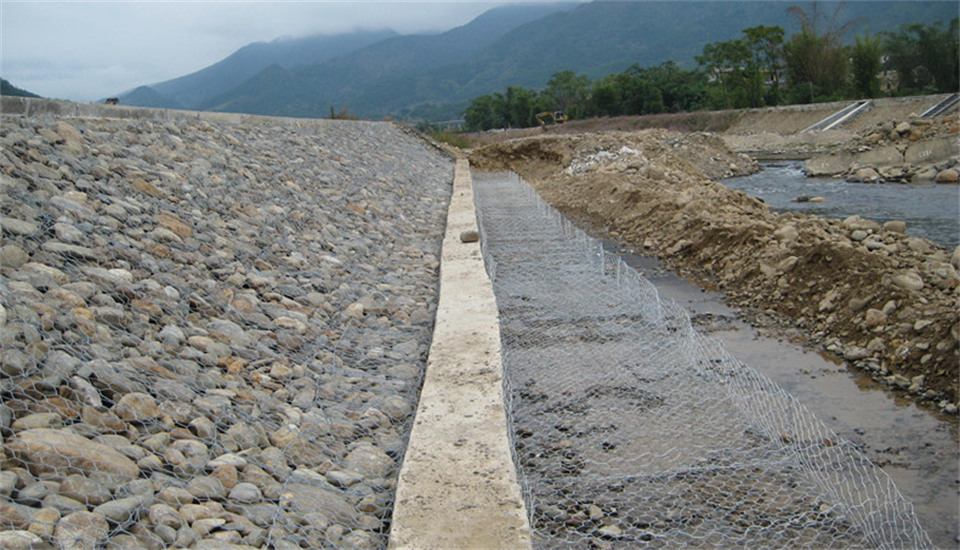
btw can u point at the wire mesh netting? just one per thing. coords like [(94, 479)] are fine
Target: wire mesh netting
[(213, 334), (632, 430)]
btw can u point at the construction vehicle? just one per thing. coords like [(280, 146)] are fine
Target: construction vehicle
[(557, 116)]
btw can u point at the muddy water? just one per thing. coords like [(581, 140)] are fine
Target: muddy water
[(917, 448), (930, 211)]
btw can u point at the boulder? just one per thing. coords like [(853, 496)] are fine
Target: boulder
[(64, 452), (931, 151), (81, 531), (866, 175), (908, 280), (949, 176), (895, 226)]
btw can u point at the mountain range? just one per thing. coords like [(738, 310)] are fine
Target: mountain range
[(380, 73)]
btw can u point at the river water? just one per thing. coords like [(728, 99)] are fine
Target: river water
[(930, 211), (917, 448)]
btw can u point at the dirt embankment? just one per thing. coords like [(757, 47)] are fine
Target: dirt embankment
[(883, 301)]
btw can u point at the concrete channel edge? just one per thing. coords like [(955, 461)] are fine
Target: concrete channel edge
[(458, 486)]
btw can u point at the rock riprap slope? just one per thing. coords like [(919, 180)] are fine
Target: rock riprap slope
[(213, 334)]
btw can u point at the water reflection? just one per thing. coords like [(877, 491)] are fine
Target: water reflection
[(930, 211)]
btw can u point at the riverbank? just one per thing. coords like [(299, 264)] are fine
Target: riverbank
[(867, 293)]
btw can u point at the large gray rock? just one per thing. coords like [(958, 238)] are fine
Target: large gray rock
[(931, 151)]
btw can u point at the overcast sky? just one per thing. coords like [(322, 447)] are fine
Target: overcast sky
[(83, 50)]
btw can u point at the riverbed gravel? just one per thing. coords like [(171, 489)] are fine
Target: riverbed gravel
[(213, 334)]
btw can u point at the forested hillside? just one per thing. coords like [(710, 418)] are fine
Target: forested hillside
[(435, 77)]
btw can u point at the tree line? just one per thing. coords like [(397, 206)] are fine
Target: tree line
[(762, 68)]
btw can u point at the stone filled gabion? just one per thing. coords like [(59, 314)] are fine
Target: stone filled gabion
[(213, 334), (631, 430)]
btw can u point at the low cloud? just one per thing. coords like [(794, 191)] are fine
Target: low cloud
[(85, 51)]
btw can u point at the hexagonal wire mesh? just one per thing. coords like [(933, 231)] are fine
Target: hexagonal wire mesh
[(632, 430), (211, 335)]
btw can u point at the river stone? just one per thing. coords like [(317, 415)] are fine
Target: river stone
[(245, 492), (230, 331), (175, 496), (787, 234), (85, 490), (71, 251), (308, 498), (103, 421), (44, 521), (14, 515), (81, 531), (857, 304), (19, 540), (610, 532), (895, 226), (361, 540), (114, 276), (38, 420), (13, 256), (908, 280), (39, 275), (64, 505), (64, 452), (8, 483), (866, 175), (123, 510), (164, 514), (206, 488), (136, 407), (18, 227), (369, 461), (949, 176), (874, 318), (353, 311)]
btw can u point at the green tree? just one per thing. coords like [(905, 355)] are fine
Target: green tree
[(867, 58), (568, 91), (605, 97), (816, 58), (729, 65), (766, 43), (680, 90), (485, 112), (520, 105), (926, 57)]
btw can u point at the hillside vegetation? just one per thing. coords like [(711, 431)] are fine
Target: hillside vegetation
[(6, 88), (435, 77)]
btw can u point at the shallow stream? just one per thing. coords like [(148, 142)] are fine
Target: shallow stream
[(930, 211), (917, 448)]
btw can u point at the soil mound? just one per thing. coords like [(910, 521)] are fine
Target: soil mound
[(868, 293)]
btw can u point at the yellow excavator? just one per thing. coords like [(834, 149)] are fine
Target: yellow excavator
[(557, 116)]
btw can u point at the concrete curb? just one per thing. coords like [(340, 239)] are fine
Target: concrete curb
[(458, 487)]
